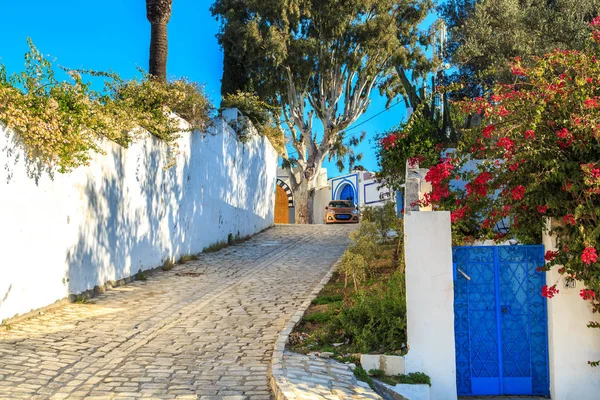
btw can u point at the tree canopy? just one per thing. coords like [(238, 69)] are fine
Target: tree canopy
[(319, 60), (485, 35)]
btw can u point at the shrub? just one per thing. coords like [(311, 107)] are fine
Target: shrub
[(383, 217), (263, 116), (355, 260), (376, 322)]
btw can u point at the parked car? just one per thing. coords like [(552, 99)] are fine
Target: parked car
[(341, 211)]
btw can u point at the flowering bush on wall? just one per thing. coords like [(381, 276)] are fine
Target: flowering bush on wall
[(60, 122), (417, 141), (540, 142)]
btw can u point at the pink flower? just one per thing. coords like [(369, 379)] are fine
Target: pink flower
[(518, 193), (589, 255)]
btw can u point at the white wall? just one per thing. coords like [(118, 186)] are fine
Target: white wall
[(571, 343), (322, 199), (430, 300), (66, 234)]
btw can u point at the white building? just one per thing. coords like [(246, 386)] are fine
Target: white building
[(359, 186)]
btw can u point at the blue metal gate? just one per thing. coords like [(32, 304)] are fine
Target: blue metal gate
[(500, 321)]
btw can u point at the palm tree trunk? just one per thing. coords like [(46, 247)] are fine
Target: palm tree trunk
[(159, 48)]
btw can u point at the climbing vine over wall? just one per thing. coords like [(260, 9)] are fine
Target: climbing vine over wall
[(60, 122)]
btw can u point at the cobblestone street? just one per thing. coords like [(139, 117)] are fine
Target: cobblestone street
[(204, 330)]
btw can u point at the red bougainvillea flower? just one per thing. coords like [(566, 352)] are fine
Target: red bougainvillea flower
[(567, 186), (542, 209), (518, 71), (591, 103), (587, 294), (389, 141), (518, 193), (550, 255), (514, 167), (549, 292), (437, 176), (488, 130), (458, 214), (479, 184), (414, 161), (568, 219), (561, 270), (566, 138), (506, 144), (589, 255), (529, 134)]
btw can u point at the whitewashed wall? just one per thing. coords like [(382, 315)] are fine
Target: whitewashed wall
[(430, 300), (571, 344), (66, 234)]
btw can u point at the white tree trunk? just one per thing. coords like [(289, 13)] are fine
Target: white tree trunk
[(304, 201)]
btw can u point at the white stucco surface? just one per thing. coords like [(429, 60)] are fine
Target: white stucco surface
[(571, 343), (66, 234), (430, 300)]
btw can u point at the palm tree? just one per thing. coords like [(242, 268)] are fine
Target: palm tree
[(158, 13)]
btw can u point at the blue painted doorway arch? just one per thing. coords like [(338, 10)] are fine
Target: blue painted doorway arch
[(347, 193)]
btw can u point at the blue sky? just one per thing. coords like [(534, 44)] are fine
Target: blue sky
[(114, 34)]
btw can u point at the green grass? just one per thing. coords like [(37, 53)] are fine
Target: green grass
[(414, 378), (168, 265), (362, 375), (141, 275), (319, 317), (213, 248), (188, 258), (328, 299)]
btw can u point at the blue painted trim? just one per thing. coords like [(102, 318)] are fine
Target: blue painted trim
[(546, 333), (334, 188), (365, 194), (498, 319)]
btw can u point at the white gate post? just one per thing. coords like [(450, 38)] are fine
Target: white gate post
[(429, 295)]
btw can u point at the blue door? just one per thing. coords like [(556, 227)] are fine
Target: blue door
[(347, 193), (500, 321)]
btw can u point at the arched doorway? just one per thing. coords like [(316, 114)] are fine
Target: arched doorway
[(284, 203), (282, 213), (346, 192)]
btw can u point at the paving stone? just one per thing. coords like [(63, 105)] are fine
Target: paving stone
[(206, 326)]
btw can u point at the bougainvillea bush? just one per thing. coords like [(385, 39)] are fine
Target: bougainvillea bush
[(540, 139), (418, 140)]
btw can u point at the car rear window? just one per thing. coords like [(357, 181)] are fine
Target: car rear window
[(336, 204)]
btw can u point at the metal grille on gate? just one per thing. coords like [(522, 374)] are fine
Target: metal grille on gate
[(500, 321)]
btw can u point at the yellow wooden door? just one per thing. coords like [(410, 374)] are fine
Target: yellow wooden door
[(282, 214)]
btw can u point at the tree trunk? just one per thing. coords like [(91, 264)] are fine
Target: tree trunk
[(159, 47), (304, 200)]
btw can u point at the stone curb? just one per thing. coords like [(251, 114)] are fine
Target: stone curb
[(282, 390)]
